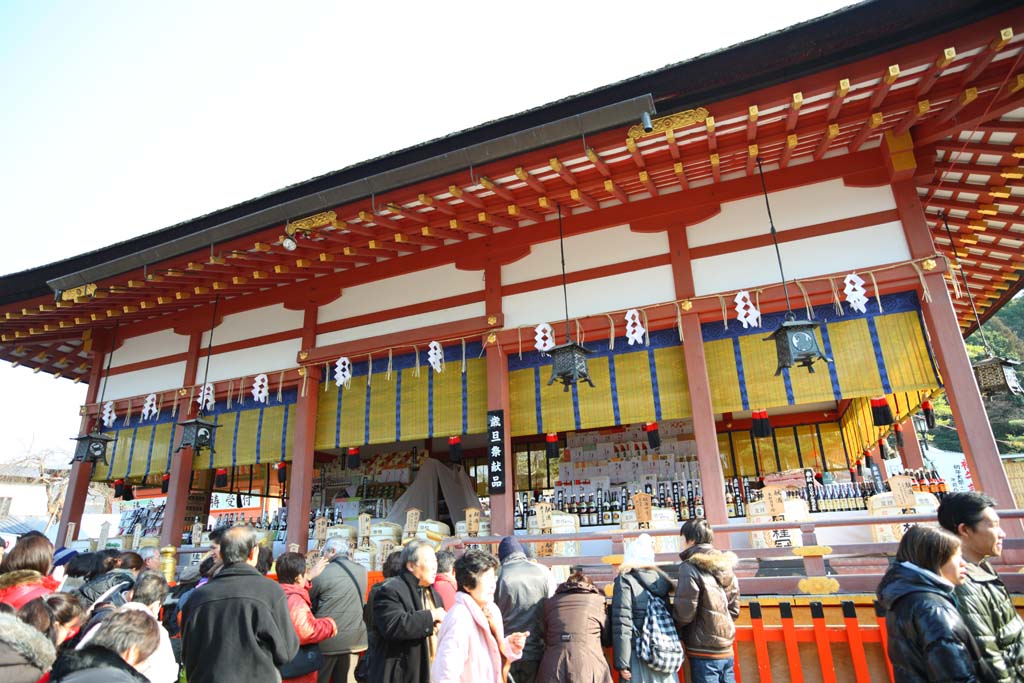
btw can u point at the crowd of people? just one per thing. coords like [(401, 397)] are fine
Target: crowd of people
[(108, 616)]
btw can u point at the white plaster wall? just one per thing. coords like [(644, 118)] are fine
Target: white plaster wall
[(254, 323), (410, 322), (148, 346), (616, 292), (862, 249), (402, 290), (249, 362), (795, 208), (590, 250), (140, 382), (27, 500)]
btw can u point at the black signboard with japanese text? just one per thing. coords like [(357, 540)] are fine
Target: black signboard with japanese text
[(496, 451)]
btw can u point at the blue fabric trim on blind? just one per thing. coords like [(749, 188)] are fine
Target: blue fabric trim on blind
[(259, 433), (788, 382), (741, 378), (284, 432), (536, 399), (654, 383), (833, 375), (876, 346)]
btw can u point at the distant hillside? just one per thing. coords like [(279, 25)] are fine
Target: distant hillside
[(1005, 334)]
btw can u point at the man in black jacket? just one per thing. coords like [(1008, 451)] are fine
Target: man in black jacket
[(337, 593), (406, 612), (236, 628)]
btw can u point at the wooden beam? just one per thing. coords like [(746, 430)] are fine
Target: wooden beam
[(888, 77), (837, 99), (929, 77)]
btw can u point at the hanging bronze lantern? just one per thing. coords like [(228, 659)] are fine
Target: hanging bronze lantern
[(197, 434), (569, 364), (997, 375), (796, 344), (92, 448)]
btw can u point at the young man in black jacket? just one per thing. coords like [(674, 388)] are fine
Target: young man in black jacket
[(236, 628)]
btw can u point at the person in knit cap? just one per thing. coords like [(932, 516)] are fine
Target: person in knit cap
[(707, 603), (520, 595), (638, 579)]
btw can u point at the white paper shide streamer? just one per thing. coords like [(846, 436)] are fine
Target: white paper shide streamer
[(855, 292), (149, 407), (435, 356), (634, 328), (544, 337), (109, 415), (746, 312), (205, 399), (261, 388), (343, 372)]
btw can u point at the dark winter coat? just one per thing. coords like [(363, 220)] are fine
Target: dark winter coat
[(338, 593), (520, 594), (575, 628), (633, 588), (990, 615), (236, 629), (25, 585), (928, 640), (95, 588), (25, 653), (403, 652), (707, 601), (94, 664)]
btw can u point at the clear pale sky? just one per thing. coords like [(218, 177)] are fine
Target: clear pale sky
[(123, 118)]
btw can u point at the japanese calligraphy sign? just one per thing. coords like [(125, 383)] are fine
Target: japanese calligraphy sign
[(320, 531), (472, 521), (364, 529), (496, 451), (412, 521), (775, 500), (642, 503), (902, 491), (543, 509)]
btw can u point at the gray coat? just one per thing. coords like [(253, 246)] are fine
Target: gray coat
[(629, 607), (520, 595), (25, 653), (339, 593)]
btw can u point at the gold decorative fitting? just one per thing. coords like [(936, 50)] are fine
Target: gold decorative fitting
[(492, 320), (666, 123), (303, 355), (311, 223), (929, 264), (302, 372), (686, 305), (812, 550), (182, 392), (818, 585), (72, 294), (491, 338)]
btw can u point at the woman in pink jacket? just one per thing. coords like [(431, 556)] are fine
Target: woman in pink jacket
[(472, 646), (291, 574)]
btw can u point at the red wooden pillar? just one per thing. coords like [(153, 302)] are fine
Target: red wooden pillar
[(300, 487), (705, 434), (912, 456), (951, 355), (502, 504), (179, 485), (77, 492)]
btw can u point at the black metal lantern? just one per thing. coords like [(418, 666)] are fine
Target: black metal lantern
[(92, 447), (197, 434), (796, 344), (997, 375), (569, 364)]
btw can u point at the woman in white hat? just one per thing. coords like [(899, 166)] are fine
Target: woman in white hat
[(639, 578)]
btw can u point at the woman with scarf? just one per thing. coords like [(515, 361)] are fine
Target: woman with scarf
[(472, 646)]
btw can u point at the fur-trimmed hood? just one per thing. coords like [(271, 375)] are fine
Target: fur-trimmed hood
[(104, 665), (25, 642), (19, 577), (710, 560)]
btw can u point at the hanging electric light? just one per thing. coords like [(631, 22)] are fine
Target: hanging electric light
[(199, 433), (795, 341), (569, 360)]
